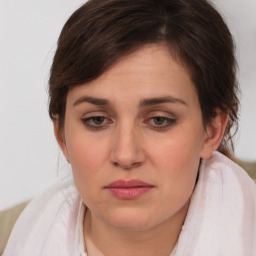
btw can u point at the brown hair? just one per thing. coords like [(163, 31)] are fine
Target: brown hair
[(102, 31)]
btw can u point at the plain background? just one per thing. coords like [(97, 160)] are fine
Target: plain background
[(30, 160)]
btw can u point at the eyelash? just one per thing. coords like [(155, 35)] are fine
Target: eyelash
[(86, 121), (168, 122)]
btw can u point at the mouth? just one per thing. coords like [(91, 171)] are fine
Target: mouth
[(128, 190)]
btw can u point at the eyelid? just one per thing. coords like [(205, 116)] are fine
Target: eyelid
[(170, 121), (85, 120), (163, 114)]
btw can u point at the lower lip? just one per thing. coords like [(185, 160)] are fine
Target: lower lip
[(128, 193)]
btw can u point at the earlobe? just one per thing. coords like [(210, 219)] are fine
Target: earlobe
[(60, 139), (214, 133)]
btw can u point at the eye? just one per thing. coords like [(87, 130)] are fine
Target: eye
[(96, 122), (160, 122)]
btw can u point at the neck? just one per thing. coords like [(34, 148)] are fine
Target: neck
[(103, 239)]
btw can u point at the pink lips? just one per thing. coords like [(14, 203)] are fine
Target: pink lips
[(130, 189)]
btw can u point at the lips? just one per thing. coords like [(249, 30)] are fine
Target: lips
[(130, 189)]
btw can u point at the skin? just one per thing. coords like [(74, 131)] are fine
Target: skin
[(159, 143)]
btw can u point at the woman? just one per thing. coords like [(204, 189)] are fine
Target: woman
[(142, 95)]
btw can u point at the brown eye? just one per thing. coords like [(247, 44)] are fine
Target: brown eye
[(160, 122), (96, 122)]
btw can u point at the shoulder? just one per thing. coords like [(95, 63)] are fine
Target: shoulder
[(8, 217), (45, 218), (222, 169), (51, 204), (221, 219)]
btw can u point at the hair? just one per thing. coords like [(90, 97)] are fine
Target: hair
[(102, 31)]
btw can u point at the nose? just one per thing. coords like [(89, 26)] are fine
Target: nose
[(127, 148)]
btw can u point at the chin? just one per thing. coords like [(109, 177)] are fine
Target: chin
[(131, 220)]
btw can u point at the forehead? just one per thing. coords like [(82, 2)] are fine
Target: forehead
[(148, 72)]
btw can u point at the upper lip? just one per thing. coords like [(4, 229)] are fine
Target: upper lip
[(128, 184)]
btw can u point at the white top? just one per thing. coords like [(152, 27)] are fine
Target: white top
[(221, 219)]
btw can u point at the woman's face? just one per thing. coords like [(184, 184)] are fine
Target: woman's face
[(134, 137)]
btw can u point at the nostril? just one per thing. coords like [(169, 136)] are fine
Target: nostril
[(136, 164), (116, 164), (127, 166)]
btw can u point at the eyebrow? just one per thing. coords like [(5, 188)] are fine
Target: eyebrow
[(92, 100), (161, 100), (142, 103)]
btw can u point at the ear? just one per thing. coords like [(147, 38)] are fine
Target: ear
[(214, 134), (60, 137)]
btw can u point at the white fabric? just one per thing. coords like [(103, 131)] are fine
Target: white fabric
[(221, 220), (80, 222), (49, 225)]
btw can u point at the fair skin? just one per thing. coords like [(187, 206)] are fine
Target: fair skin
[(141, 119)]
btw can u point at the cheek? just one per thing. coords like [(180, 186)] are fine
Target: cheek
[(176, 152), (85, 154), (87, 160), (178, 168), (177, 162)]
